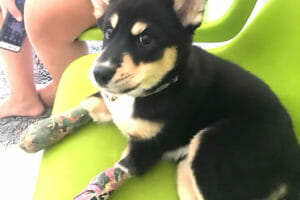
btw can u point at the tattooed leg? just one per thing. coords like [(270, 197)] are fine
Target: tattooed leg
[(132, 163), (49, 131), (104, 184)]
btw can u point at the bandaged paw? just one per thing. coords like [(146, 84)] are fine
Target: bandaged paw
[(92, 192), (49, 131), (104, 184)]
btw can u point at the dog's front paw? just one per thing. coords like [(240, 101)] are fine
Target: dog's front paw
[(103, 184), (92, 192)]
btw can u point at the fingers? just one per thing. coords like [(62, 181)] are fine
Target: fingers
[(12, 8), (3, 12)]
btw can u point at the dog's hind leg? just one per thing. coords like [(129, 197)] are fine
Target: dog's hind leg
[(186, 183)]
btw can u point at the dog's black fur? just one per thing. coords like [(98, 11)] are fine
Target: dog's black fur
[(246, 149)]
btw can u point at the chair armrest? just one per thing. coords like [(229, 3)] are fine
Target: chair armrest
[(93, 33)]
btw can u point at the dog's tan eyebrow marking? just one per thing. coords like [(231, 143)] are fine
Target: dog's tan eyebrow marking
[(114, 19), (138, 28)]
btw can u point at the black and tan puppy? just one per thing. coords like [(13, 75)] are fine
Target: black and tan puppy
[(228, 132)]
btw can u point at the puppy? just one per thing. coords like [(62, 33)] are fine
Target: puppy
[(227, 131)]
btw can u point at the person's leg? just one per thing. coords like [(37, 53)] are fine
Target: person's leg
[(53, 27), (23, 99)]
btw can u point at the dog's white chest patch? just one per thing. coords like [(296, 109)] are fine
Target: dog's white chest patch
[(122, 109)]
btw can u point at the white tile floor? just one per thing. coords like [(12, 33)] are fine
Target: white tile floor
[(18, 174)]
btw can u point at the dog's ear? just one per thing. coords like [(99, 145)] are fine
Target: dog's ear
[(190, 12), (99, 7)]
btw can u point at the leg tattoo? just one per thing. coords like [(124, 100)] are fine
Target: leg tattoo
[(104, 184), (49, 131)]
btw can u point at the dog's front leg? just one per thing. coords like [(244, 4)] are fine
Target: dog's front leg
[(104, 184), (96, 108), (136, 159), (49, 131)]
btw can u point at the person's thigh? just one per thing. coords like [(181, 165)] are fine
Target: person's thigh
[(59, 20)]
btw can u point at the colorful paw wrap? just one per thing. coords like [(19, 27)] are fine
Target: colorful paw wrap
[(49, 131), (104, 184)]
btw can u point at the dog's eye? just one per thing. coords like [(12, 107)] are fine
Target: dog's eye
[(145, 39), (108, 33)]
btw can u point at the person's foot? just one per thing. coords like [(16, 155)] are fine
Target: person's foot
[(47, 94), (30, 107)]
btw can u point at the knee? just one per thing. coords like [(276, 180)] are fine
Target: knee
[(35, 21), (39, 22)]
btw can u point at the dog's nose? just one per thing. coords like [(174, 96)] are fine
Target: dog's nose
[(103, 74)]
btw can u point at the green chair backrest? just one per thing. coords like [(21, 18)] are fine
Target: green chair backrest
[(270, 48), (223, 29)]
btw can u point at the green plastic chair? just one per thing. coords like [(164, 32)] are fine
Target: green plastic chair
[(225, 28), (268, 47)]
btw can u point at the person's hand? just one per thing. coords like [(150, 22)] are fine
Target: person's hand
[(11, 7)]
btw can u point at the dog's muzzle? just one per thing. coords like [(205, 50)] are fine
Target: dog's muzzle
[(103, 74)]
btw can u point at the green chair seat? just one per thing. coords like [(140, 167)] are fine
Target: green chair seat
[(69, 166), (269, 47)]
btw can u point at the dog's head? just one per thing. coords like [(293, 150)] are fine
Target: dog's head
[(145, 42)]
